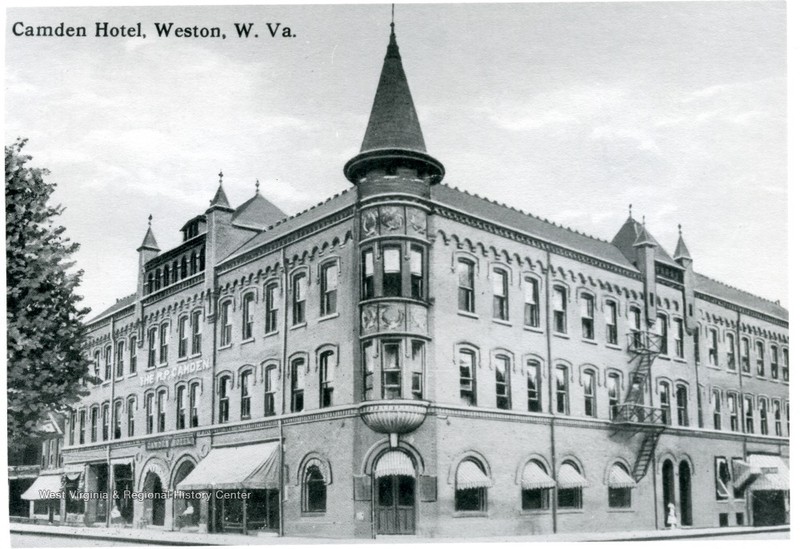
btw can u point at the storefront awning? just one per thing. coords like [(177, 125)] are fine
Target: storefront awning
[(250, 467), (73, 471), (535, 478), (394, 463), (570, 477), (42, 486), (469, 476), (743, 472), (619, 478), (773, 472)]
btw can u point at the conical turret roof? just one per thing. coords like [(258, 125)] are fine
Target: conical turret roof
[(220, 199), (681, 250), (149, 242)]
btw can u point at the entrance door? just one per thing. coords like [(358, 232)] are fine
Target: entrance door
[(685, 486), (395, 506), (667, 488), (768, 508)]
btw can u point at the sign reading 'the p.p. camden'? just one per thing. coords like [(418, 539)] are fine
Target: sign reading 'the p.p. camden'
[(174, 373)]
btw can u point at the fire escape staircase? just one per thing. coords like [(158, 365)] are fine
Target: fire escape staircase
[(633, 415)]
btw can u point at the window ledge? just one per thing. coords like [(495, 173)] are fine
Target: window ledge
[(312, 514), (613, 346), (501, 322), (533, 512), (734, 372), (196, 355), (570, 511), (328, 317), (298, 326), (272, 333), (679, 360), (467, 314), (665, 357), (467, 514), (226, 346), (534, 329), (134, 374), (621, 510), (714, 367), (561, 335), (181, 359), (106, 382), (248, 340), (589, 341)]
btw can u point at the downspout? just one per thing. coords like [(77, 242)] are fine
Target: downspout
[(551, 411), (284, 353), (754, 401), (110, 473), (281, 480)]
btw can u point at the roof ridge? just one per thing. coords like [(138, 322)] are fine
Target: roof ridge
[(740, 290), (528, 214)]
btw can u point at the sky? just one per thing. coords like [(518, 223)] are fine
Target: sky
[(568, 111)]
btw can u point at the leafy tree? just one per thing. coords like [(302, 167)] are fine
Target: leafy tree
[(46, 364)]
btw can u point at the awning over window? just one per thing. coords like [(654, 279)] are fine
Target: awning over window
[(469, 476), (73, 471), (743, 472), (773, 473), (535, 478), (394, 463), (42, 486), (254, 466), (619, 478), (570, 477)]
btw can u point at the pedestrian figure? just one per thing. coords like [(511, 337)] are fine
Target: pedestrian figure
[(672, 519)]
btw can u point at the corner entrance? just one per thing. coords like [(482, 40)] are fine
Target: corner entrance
[(395, 494), (154, 509)]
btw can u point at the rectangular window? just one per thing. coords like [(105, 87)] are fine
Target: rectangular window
[(682, 401), (326, 379), (530, 287), (392, 379), (226, 325), (367, 274), (562, 395), (748, 415), (773, 361), (392, 276), (533, 368), (763, 416), (244, 400), (679, 337), (717, 398), (151, 347), (164, 338), (417, 368), (723, 478), (570, 498), (120, 371), (107, 374), (713, 349), (82, 427), (500, 290), (560, 310), (589, 394), (298, 384), (73, 416), (733, 410), (132, 356), (745, 353), (197, 333), (369, 369), (106, 419), (759, 358), (131, 417), (162, 411), (270, 385), (786, 365), (299, 299), (730, 345), (663, 335), (587, 316), (183, 336), (272, 300), (466, 286), (415, 264), (224, 399), (248, 316), (635, 327), (329, 281), (619, 498), (117, 419), (502, 372), (612, 337), (150, 410), (776, 406), (466, 368), (194, 405), (613, 394)]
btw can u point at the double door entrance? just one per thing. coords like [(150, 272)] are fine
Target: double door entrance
[(395, 504)]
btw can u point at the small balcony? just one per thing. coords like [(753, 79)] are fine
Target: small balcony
[(394, 416), (641, 342), (639, 415)]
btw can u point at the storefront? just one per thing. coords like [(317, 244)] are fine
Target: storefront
[(766, 478), (44, 496)]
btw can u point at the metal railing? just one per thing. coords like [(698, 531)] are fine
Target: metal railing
[(638, 413), (641, 342)]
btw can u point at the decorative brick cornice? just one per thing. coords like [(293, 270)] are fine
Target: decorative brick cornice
[(174, 288), (743, 310)]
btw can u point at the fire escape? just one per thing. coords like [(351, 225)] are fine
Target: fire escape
[(633, 415)]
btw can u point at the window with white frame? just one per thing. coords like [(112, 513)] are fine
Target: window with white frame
[(183, 336), (132, 356), (417, 367), (245, 389), (270, 387), (326, 378), (717, 409), (368, 360), (723, 478), (745, 354), (614, 390), (197, 332), (466, 369), (730, 351), (367, 274), (392, 378), (773, 361), (272, 302), (733, 410), (530, 287), (760, 358), (664, 402), (682, 405), (749, 426), (163, 353), (298, 372), (329, 282), (587, 316), (392, 271), (502, 373), (763, 416), (679, 338), (533, 372), (223, 390), (713, 348), (560, 310), (299, 287), (226, 324), (500, 294), (180, 407), (562, 390), (612, 329), (248, 315), (416, 272), (466, 285), (589, 393)]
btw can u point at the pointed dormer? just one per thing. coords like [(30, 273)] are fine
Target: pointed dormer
[(258, 213), (393, 144), (684, 258)]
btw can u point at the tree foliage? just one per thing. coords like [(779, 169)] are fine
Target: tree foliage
[(46, 364)]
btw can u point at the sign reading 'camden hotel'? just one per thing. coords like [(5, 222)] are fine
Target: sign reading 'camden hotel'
[(175, 373)]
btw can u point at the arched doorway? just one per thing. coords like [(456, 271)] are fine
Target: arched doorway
[(685, 487), (154, 508), (186, 511), (667, 487), (395, 494)]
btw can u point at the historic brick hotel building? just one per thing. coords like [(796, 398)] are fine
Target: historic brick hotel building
[(408, 358)]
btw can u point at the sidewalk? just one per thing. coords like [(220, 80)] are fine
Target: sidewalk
[(161, 537)]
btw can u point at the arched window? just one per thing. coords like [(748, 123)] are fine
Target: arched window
[(614, 390), (226, 324), (329, 281), (82, 427), (620, 485), (466, 285), (164, 338), (682, 405), (664, 401), (299, 287), (96, 365), (132, 355), (270, 386), (174, 271), (776, 406), (202, 259), (315, 490), (533, 369), (530, 287), (117, 420), (763, 416), (180, 407), (500, 291), (717, 402), (326, 378), (298, 371), (120, 359), (166, 275), (158, 280), (162, 410), (272, 302), (184, 268), (587, 316), (733, 410), (679, 338), (193, 263), (748, 415), (248, 315), (730, 351), (502, 374), (245, 389), (224, 398), (107, 371), (150, 283), (635, 328), (570, 486), (183, 336), (471, 486), (663, 334), (197, 332), (612, 330), (589, 393), (560, 309), (786, 365), (713, 349), (466, 368), (194, 404), (773, 361), (150, 412), (745, 354), (536, 486), (106, 420), (131, 416), (562, 389)]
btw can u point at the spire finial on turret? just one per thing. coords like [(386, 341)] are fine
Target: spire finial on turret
[(681, 250), (150, 220), (220, 177), (680, 230), (644, 220), (257, 185), (392, 23), (149, 242), (630, 211)]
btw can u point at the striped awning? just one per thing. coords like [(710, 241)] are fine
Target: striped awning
[(570, 477), (394, 462), (469, 476), (253, 466), (73, 471), (619, 478), (535, 478), (773, 473), (42, 487)]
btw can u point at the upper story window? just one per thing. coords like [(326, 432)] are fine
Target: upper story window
[(299, 287), (107, 374), (763, 416), (745, 354), (613, 385), (760, 358), (270, 387), (733, 410), (197, 332), (248, 315), (194, 404), (717, 411), (131, 416), (416, 269), (635, 327), (367, 274), (417, 367), (183, 336), (272, 302), (500, 291), (193, 266), (502, 373), (82, 427), (152, 343), (96, 364), (773, 361), (530, 287), (560, 310), (785, 365), (164, 338), (106, 420), (226, 324), (466, 285), (245, 380), (157, 280), (120, 359), (748, 415), (664, 401), (132, 356), (562, 390), (392, 273), (329, 281), (776, 407), (466, 373), (392, 375), (679, 338), (612, 329), (224, 398), (149, 407), (533, 372), (117, 419), (298, 373), (162, 410), (713, 349), (589, 393), (94, 421), (663, 333), (326, 379), (180, 407), (368, 360), (587, 316), (730, 351), (682, 402)]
